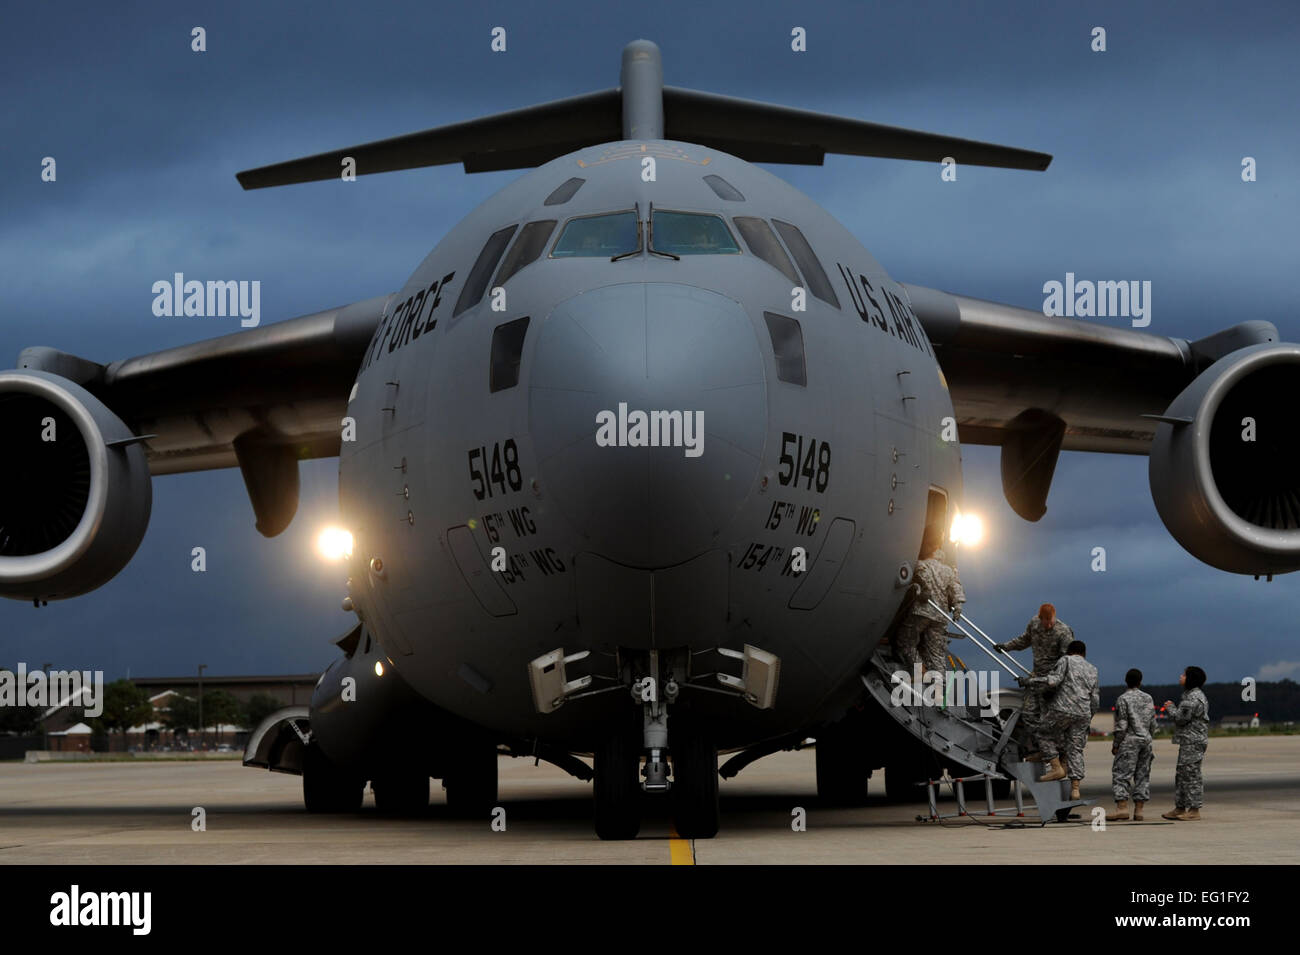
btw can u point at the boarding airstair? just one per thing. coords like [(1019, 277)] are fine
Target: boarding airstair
[(970, 718)]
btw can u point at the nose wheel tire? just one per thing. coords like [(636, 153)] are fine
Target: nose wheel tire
[(471, 782), (617, 789), (695, 785), (401, 794), (326, 787)]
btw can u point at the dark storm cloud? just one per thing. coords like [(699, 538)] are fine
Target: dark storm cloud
[(1148, 140)]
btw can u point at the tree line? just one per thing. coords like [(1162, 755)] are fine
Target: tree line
[(126, 705), (1277, 702)]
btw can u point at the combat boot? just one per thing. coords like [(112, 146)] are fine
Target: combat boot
[(1074, 789), (1137, 810), (1175, 813), (1191, 815), (1034, 757), (1054, 772), (1121, 811)]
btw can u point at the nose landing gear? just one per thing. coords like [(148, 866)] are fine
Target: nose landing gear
[(617, 795), (695, 784), (683, 761), (686, 753), (654, 697)]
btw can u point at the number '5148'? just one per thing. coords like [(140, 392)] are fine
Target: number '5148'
[(810, 462), (492, 476)]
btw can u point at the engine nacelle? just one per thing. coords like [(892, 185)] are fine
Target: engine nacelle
[(1227, 482), (75, 491)]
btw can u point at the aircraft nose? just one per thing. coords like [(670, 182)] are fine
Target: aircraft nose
[(648, 412)]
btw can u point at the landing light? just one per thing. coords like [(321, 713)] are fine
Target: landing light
[(334, 543), (967, 530), (379, 668)]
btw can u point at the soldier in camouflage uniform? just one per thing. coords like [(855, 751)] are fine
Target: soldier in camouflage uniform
[(1049, 637), (924, 634), (1135, 722), (1064, 727), (944, 588), (1192, 719)]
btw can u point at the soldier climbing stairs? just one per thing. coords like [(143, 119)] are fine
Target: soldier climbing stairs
[(968, 724)]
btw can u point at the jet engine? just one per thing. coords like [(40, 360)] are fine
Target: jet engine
[(1225, 462), (75, 491)]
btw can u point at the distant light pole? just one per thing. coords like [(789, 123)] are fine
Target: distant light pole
[(45, 725), (202, 667)]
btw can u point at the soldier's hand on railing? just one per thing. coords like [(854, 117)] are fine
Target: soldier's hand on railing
[(1023, 680), (1000, 646)]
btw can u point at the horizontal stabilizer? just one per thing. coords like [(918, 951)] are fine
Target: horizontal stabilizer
[(763, 132), (754, 131), (519, 139)]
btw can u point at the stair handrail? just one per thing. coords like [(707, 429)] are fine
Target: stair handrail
[(992, 655), (993, 642)]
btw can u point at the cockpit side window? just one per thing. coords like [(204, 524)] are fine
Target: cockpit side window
[(532, 240), (484, 265), (608, 235), (812, 270), (507, 349), (787, 347), (691, 233), (762, 243)]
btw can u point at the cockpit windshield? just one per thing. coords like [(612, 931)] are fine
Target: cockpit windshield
[(690, 233), (616, 233)]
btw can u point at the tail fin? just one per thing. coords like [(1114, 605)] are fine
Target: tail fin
[(754, 131)]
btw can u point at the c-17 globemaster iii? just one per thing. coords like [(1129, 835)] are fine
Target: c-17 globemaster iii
[(636, 460)]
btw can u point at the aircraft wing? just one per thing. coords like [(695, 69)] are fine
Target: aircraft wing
[(261, 400), (1002, 362), (1036, 385), (285, 382)]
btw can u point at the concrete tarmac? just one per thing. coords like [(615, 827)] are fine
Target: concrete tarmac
[(91, 813)]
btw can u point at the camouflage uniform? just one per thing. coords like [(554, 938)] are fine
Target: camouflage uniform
[(908, 639), (1192, 719), (938, 581), (1064, 727), (1135, 722), (1049, 646)]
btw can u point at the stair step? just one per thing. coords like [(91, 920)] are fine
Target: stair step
[(965, 736)]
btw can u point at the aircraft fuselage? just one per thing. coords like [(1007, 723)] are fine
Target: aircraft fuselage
[(651, 457)]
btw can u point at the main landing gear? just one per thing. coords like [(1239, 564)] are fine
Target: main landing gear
[(471, 780), (326, 787)]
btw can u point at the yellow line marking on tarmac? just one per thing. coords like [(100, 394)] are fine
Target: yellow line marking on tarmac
[(680, 851)]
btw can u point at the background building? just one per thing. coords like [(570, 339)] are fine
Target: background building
[(233, 705)]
